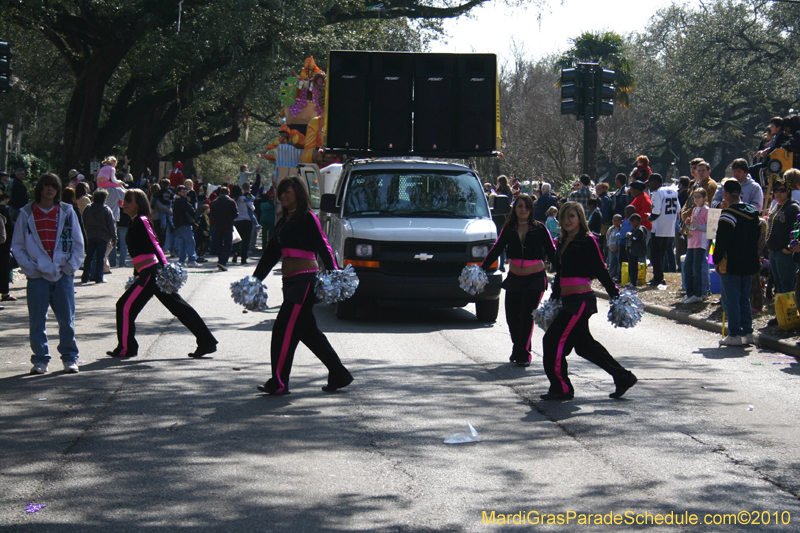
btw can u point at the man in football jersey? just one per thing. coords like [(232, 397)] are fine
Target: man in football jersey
[(664, 213)]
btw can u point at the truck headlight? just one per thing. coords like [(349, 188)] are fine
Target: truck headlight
[(480, 251), (363, 250)]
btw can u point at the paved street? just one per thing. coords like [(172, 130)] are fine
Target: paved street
[(165, 442)]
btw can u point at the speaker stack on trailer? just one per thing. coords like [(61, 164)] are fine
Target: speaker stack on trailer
[(347, 103), (392, 93), (434, 102), (476, 94), (387, 103)]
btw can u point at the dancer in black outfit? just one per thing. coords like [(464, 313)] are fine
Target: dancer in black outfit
[(526, 242), (147, 255), (298, 238), (578, 261)]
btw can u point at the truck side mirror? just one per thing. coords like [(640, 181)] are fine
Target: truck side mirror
[(327, 203)]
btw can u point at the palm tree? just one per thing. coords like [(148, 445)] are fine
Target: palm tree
[(608, 49)]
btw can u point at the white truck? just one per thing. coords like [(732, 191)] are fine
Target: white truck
[(408, 228)]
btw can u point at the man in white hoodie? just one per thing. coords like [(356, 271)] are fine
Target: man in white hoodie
[(48, 245)]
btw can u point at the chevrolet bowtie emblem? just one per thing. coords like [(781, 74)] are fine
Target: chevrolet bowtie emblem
[(423, 256)]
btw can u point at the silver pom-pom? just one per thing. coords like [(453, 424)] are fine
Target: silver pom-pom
[(171, 277), (336, 285), (544, 315), (130, 282), (473, 279), (626, 310), (250, 293)]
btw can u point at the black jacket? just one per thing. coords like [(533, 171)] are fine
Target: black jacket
[(581, 258), (736, 246), (297, 232), (537, 245), (223, 213), (182, 212), (782, 223)]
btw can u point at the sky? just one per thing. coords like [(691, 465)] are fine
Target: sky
[(495, 25)]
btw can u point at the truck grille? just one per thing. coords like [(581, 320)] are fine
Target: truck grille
[(423, 268)]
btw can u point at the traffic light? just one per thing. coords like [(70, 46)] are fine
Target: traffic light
[(573, 94), (603, 102), (5, 67)]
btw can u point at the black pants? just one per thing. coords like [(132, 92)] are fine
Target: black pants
[(5, 267), (570, 329), (245, 228), (523, 294), (633, 269), (295, 323), (659, 249), (136, 297)]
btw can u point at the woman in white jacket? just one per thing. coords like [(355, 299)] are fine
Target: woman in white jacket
[(48, 245)]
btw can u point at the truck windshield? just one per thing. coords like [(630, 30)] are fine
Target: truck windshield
[(433, 194)]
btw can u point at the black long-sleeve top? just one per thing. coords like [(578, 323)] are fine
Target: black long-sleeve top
[(295, 236), (141, 240), (581, 258), (536, 246)]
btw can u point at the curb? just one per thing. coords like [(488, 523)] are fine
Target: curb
[(767, 341)]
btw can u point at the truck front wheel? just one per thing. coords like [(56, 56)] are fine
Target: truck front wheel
[(346, 310), (486, 310)]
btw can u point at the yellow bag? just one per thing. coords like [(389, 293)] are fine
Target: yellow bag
[(786, 311), (624, 274)]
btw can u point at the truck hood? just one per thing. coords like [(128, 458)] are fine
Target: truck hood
[(421, 229)]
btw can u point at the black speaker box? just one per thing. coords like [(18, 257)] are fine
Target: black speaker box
[(476, 95), (434, 102), (391, 91), (348, 104)]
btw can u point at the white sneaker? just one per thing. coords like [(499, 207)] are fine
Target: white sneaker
[(731, 340), (221, 267), (39, 368), (71, 368), (693, 300), (192, 265), (748, 339)]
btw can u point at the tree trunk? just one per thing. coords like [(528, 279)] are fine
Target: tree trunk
[(143, 142), (85, 107)]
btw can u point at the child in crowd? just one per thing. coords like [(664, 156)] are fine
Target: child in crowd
[(624, 229), (552, 222), (697, 246), (107, 176), (202, 235), (637, 247), (612, 240)]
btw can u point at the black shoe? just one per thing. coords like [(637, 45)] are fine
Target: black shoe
[(330, 387), (203, 350), (772, 322), (265, 390), (623, 387), (523, 362), (557, 396), (244, 261), (116, 353)]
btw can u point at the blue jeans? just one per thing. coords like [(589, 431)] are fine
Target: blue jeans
[(94, 261), (225, 244), (184, 240), (122, 233), (705, 276), (736, 302), (696, 260), (60, 296), (783, 270), (614, 266)]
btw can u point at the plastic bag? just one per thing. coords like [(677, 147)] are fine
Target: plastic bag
[(471, 435)]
